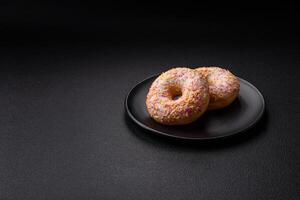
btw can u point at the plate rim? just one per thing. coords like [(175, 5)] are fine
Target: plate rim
[(157, 132)]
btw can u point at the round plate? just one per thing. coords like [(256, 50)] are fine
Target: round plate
[(239, 116)]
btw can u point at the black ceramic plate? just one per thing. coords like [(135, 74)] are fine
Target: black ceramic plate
[(241, 115)]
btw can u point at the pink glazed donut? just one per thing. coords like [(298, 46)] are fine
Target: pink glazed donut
[(223, 86), (178, 96)]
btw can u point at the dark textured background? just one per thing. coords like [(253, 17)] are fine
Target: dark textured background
[(65, 71)]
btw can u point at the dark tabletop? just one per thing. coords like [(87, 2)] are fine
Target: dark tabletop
[(63, 129)]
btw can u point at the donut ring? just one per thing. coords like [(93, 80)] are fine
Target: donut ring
[(223, 86), (189, 85)]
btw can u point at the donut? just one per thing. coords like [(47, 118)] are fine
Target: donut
[(223, 86), (178, 96)]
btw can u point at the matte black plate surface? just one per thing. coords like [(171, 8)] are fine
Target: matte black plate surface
[(242, 114)]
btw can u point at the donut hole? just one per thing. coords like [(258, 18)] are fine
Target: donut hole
[(175, 92)]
